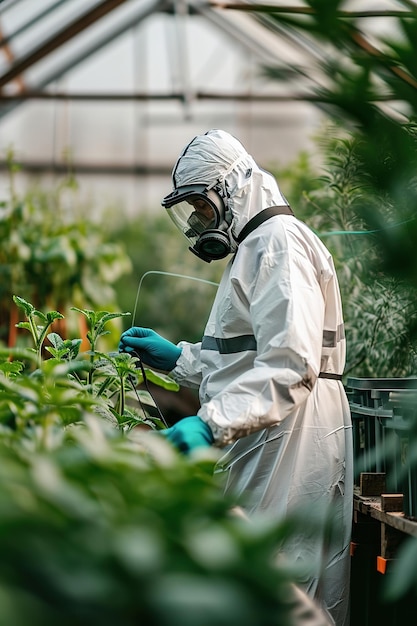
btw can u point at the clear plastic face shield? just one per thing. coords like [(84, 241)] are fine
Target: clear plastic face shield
[(199, 213)]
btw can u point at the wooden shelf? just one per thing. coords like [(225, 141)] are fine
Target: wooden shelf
[(371, 506)]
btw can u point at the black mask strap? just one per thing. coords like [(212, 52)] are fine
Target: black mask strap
[(261, 217)]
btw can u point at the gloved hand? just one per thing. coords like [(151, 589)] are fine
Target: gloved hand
[(188, 434), (153, 349)]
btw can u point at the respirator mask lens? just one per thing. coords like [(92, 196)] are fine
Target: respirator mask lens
[(199, 214), (190, 221), (199, 222), (194, 209)]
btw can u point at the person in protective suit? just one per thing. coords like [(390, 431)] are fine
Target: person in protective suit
[(270, 363)]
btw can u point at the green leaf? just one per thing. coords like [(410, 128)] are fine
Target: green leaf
[(24, 325), (18, 353), (11, 367), (23, 304), (110, 316), (87, 312), (51, 316), (41, 315), (162, 380), (56, 340)]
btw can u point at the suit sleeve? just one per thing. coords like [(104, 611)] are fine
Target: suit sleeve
[(187, 371)]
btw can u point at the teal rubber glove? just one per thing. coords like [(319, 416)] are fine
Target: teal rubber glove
[(153, 349), (188, 434)]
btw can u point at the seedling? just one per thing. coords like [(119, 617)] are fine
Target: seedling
[(92, 380), (37, 330)]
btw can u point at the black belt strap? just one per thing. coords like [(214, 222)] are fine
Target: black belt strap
[(331, 376), (261, 217)]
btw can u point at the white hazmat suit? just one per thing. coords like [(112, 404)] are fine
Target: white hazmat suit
[(275, 325)]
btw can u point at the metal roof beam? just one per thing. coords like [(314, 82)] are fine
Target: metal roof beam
[(54, 42), (94, 44), (229, 25), (297, 10), (176, 95), (266, 39), (254, 35), (7, 4), (7, 39), (114, 169)]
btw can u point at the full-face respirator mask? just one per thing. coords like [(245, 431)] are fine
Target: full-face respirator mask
[(200, 213)]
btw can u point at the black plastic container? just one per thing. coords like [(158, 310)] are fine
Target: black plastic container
[(384, 417)]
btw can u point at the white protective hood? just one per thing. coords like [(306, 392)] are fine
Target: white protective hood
[(218, 157)]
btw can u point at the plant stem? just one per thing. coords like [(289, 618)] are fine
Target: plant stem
[(122, 396)]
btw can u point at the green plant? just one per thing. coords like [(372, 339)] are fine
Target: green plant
[(104, 530), (58, 390), (379, 309), (52, 255), (38, 331)]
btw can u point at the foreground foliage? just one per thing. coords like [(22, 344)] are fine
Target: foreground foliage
[(102, 521), (104, 529)]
